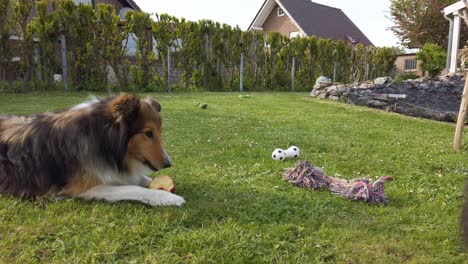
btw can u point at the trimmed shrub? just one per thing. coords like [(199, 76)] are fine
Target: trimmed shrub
[(433, 59)]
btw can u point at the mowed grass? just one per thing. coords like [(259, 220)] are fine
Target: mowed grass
[(239, 210)]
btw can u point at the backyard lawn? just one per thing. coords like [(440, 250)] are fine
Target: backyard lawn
[(239, 210)]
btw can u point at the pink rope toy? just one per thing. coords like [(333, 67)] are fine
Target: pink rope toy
[(360, 189)]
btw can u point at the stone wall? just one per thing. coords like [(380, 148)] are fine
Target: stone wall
[(437, 99)]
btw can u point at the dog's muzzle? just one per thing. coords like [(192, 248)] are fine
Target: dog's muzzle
[(149, 165), (167, 160)]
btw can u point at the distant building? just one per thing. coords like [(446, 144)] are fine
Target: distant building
[(305, 18), (407, 63)]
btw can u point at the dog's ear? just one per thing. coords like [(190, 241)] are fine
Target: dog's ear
[(153, 103), (124, 107)]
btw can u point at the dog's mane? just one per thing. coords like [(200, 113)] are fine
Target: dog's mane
[(53, 146)]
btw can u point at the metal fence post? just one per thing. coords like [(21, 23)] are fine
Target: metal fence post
[(334, 71), (39, 67), (367, 65), (293, 69), (63, 45), (334, 64), (242, 73), (169, 73)]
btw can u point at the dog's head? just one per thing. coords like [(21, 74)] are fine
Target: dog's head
[(141, 120)]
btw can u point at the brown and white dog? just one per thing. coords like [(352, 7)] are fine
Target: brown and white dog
[(101, 149)]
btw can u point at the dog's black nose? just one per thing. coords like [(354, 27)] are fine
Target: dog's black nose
[(167, 164)]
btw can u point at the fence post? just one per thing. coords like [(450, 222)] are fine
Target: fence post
[(39, 67), (334, 71), (169, 73), (293, 73), (367, 65), (334, 64), (242, 73), (63, 45), (367, 71), (461, 117)]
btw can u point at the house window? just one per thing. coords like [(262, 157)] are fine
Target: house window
[(130, 45), (295, 34), (280, 11), (411, 64), (124, 11), (83, 2)]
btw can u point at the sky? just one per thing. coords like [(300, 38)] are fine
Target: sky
[(371, 16)]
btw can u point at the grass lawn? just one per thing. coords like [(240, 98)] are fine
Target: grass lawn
[(238, 208)]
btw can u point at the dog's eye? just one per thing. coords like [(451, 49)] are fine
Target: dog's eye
[(149, 134)]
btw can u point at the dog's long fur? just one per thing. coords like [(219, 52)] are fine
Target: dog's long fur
[(101, 149)]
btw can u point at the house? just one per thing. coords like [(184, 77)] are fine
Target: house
[(305, 18), (407, 63), (119, 5)]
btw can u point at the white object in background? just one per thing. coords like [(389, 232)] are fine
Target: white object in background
[(58, 78)]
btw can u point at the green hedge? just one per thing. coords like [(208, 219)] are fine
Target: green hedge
[(205, 53)]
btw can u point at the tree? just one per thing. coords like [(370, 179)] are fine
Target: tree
[(112, 42), (420, 21), (66, 13), (86, 58), (21, 14), (163, 33), (5, 54), (45, 26), (139, 24)]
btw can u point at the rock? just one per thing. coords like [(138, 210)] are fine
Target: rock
[(58, 78), (423, 86), (342, 89), (376, 104), (365, 86), (322, 85), (325, 84), (437, 99), (443, 78), (335, 91), (321, 79), (330, 88), (323, 96), (365, 91), (383, 80), (315, 93)]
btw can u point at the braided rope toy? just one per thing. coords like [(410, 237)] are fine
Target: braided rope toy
[(359, 189)]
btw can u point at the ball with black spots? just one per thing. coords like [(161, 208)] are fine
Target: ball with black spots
[(278, 154), (293, 152)]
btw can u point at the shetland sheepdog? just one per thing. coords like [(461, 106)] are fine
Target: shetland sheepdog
[(101, 149)]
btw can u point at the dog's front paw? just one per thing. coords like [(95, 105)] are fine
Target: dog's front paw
[(158, 197)]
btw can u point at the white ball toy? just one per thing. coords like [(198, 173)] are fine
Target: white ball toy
[(278, 154), (293, 152)]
